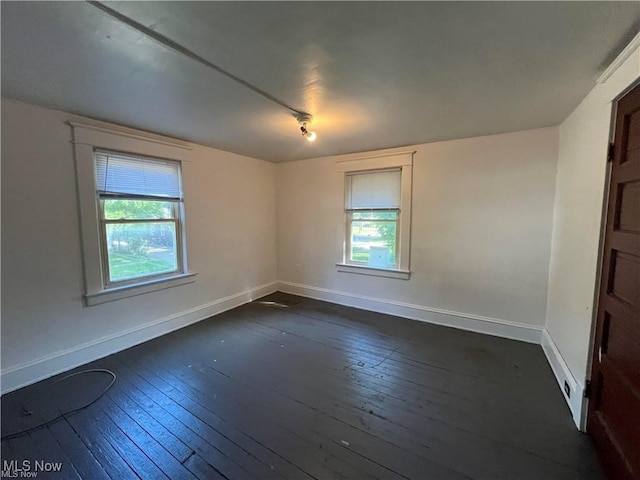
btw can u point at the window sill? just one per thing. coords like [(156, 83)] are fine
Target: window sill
[(118, 293), (377, 272)]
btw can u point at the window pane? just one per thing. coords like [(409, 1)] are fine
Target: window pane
[(373, 242), (136, 209), (141, 249)]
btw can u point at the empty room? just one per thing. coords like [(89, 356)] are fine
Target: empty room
[(320, 240)]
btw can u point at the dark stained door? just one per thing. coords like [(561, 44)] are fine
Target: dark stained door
[(614, 410)]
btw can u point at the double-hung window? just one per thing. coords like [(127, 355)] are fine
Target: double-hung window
[(373, 211), (139, 213), (377, 215), (131, 212)]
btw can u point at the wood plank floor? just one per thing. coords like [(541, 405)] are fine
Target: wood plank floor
[(288, 387)]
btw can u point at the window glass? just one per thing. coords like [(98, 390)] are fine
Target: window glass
[(137, 250), (137, 209), (374, 238)]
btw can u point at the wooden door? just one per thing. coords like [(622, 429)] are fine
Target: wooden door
[(614, 409)]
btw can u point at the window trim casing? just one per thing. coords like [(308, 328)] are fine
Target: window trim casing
[(404, 161), (86, 139)]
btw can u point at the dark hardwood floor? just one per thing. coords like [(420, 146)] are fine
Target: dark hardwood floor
[(288, 387)]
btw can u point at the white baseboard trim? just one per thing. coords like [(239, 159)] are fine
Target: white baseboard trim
[(562, 373), (30, 372), (464, 321), (33, 371)]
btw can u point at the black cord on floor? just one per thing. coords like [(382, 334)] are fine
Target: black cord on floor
[(27, 412)]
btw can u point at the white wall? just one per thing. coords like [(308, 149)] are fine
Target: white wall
[(577, 223), (230, 228), (481, 230)]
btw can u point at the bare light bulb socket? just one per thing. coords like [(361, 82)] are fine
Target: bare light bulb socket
[(308, 134)]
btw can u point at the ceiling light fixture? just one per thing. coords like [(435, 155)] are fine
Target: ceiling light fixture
[(308, 134), (303, 119)]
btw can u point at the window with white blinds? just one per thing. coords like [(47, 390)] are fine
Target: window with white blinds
[(377, 195), (131, 209), (140, 217)]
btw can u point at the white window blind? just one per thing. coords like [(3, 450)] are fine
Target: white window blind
[(119, 174), (373, 190)]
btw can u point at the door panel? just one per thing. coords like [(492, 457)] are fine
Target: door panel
[(624, 277), (629, 198), (613, 421)]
